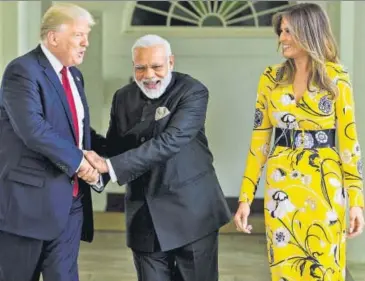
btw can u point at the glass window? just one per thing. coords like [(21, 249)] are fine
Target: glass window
[(206, 13)]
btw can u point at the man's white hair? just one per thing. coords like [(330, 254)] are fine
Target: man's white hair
[(150, 40)]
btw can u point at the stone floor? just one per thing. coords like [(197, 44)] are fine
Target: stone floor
[(241, 258)]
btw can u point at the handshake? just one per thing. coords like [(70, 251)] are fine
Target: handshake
[(91, 167)]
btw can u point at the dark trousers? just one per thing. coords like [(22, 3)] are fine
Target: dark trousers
[(197, 261), (24, 259)]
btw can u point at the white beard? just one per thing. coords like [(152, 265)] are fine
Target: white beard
[(155, 93)]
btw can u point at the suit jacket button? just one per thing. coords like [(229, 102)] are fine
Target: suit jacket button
[(143, 139), (72, 181)]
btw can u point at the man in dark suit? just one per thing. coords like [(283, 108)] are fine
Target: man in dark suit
[(45, 200), (157, 145)]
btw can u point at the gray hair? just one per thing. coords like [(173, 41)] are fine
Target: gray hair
[(150, 40), (63, 13)]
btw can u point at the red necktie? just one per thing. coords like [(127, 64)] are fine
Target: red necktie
[(71, 103)]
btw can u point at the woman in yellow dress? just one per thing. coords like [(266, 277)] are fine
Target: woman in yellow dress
[(305, 101)]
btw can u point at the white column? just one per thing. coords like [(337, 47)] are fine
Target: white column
[(9, 25), (29, 19), (1, 41), (347, 34), (19, 28), (352, 56)]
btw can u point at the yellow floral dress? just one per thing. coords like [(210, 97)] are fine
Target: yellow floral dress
[(307, 185)]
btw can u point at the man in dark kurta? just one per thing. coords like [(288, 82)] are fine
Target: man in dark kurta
[(158, 147)]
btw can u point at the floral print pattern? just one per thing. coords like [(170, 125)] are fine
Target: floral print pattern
[(258, 118), (325, 105), (321, 137), (304, 140), (307, 185)]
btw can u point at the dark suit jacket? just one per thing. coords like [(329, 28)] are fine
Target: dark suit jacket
[(38, 152), (172, 191)]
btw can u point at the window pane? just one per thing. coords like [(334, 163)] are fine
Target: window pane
[(143, 17), (159, 5), (245, 13), (186, 5), (266, 20), (176, 22)]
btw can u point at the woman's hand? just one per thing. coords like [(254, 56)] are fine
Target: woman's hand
[(356, 222), (240, 218)]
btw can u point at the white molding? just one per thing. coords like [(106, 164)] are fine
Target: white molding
[(203, 32), (191, 32)]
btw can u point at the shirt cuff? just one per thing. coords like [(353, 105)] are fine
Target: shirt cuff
[(112, 175), (99, 183), (82, 161)]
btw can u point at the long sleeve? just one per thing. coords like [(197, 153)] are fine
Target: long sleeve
[(260, 143), (23, 105), (348, 142), (185, 123)]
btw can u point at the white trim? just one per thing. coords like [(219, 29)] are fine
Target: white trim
[(197, 31), (195, 8), (172, 15), (181, 7), (215, 7), (209, 6), (221, 7), (229, 8), (256, 18), (255, 15), (203, 32), (239, 10), (203, 6)]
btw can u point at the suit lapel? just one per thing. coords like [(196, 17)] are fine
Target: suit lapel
[(80, 88), (55, 80), (79, 85)]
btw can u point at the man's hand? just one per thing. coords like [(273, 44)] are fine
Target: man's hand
[(96, 161), (87, 172), (356, 222)]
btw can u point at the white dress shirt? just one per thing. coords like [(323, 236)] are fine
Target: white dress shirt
[(57, 66), (112, 174)]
